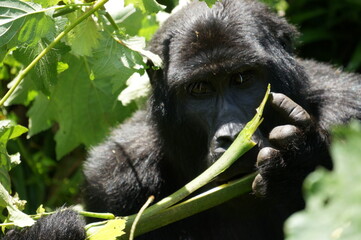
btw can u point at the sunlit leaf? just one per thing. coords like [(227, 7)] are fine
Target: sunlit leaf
[(84, 37), (149, 6), (138, 44), (19, 218), (84, 108), (25, 20), (210, 2), (110, 230), (44, 74), (46, 3), (333, 197), (116, 62)]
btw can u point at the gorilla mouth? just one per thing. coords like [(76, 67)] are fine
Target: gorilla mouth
[(240, 168)]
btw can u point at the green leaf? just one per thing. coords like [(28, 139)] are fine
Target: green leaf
[(15, 215), (84, 108), (210, 2), (149, 27), (116, 63), (149, 6), (25, 20), (333, 198), (19, 218), (355, 61), (40, 210), (84, 37), (44, 74), (24, 94), (8, 131), (35, 28), (110, 230), (41, 115), (138, 44), (46, 3)]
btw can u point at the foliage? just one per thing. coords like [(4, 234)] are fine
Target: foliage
[(70, 98), (333, 198), (331, 30), (8, 131), (71, 89)]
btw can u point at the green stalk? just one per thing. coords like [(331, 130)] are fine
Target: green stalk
[(197, 204), (24, 72), (96, 215), (83, 213)]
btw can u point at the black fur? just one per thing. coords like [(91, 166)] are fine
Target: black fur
[(65, 224), (161, 149)]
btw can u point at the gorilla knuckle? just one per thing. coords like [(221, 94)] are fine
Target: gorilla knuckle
[(266, 155)]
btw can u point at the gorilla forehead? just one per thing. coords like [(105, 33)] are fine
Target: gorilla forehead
[(214, 40)]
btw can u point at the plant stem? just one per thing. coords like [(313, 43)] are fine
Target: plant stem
[(83, 213), (97, 215), (24, 72), (137, 218), (111, 21), (199, 203)]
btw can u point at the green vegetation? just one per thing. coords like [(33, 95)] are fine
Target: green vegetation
[(74, 70), (333, 198)]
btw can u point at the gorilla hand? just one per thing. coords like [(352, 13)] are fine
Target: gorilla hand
[(292, 155)]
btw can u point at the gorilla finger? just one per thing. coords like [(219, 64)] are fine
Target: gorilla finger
[(285, 136), (266, 155), (290, 110), (259, 186)]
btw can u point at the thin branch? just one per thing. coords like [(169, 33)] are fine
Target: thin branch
[(137, 218), (24, 72)]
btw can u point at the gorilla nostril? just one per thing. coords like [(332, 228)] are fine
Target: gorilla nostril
[(224, 142)]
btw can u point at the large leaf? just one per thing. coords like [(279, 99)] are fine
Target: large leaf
[(84, 37), (115, 62), (83, 108), (25, 20), (333, 198), (44, 75)]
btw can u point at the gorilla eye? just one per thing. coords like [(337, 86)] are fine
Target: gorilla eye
[(200, 88), (239, 79)]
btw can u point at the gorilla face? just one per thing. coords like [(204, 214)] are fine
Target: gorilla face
[(220, 106), (216, 70)]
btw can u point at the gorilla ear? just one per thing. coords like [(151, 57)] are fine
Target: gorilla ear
[(286, 36), (160, 46), (154, 73), (283, 32)]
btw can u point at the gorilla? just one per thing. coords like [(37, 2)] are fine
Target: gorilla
[(217, 64)]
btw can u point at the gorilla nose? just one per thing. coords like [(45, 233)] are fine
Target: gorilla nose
[(223, 142), (225, 136)]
